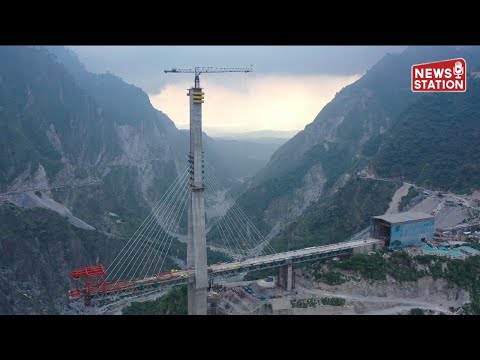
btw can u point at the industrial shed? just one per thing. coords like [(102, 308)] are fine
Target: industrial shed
[(403, 229)]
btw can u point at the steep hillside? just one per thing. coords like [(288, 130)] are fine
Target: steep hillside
[(174, 303), (244, 158), (317, 159), (82, 159), (338, 216), (131, 108), (38, 249), (64, 146), (435, 142), (46, 118), (59, 133)]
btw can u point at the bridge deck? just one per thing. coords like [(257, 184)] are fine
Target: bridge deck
[(262, 262), (293, 256)]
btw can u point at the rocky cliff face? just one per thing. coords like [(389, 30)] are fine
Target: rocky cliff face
[(295, 203), (88, 149), (82, 158), (335, 139), (74, 130), (38, 249)]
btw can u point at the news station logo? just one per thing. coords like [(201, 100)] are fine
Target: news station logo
[(441, 76)]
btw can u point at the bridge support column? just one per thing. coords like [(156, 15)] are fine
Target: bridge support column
[(200, 251), (190, 260), (286, 277), (197, 245)]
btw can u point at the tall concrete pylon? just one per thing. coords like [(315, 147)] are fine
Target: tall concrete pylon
[(197, 244)]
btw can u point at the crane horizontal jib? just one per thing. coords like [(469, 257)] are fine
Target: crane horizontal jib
[(208, 69)]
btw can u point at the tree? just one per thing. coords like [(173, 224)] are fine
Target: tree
[(417, 311)]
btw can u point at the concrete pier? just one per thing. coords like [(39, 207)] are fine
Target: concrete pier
[(197, 249), (286, 277)]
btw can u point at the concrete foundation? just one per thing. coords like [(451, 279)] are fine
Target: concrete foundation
[(197, 247), (286, 277), (367, 248)]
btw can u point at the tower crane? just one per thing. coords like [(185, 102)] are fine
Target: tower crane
[(208, 69)]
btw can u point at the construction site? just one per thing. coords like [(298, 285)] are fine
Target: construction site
[(411, 232), (429, 224)]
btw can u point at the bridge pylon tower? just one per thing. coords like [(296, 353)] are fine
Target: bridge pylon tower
[(197, 242)]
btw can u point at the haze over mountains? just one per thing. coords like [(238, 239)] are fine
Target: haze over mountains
[(86, 150), (84, 156), (360, 122)]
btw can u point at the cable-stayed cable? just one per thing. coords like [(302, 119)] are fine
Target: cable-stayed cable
[(232, 216), (231, 230), (167, 207), (164, 237), (239, 211), (143, 224), (218, 224), (169, 212), (153, 221), (171, 240)]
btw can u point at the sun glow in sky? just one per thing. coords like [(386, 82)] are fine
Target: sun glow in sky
[(288, 87), (265, 102)]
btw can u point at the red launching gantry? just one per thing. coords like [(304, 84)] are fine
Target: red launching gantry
[(96, 286), (94, 282)]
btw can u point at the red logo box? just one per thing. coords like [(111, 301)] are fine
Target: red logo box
[(440, 76)]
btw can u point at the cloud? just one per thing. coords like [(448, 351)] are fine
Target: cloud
[(144, 65), (289, 85), (237, 102)]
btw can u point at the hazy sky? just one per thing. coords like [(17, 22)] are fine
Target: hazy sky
[(289, 85)]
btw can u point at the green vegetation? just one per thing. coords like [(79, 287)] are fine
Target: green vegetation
[(330, 277), (173, 303), (260, 274), (412, 192), (417, 311), (304, 303), (399, 265), (37, 249), (336, 138), (474, 245), (177, 249), (333, 301), (463, 273), (338, 216), (53, 111), (313, 302), (214, 257), (434, 143), (334, 163), (40, 99)]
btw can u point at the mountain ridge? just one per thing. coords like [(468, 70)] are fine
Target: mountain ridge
[(331, 146)]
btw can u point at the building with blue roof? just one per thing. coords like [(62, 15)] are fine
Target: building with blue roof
[(403, 229)]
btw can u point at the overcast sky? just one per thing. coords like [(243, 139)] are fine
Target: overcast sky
[(289, 85)]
